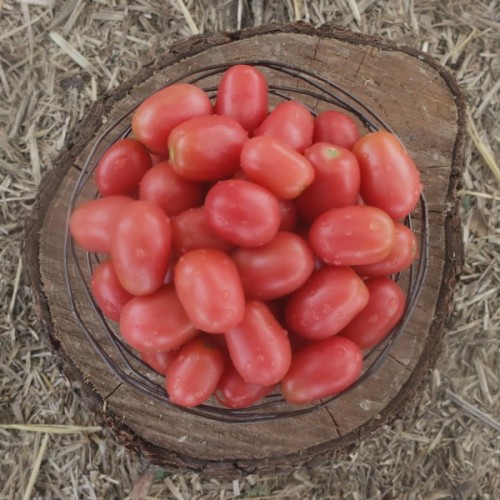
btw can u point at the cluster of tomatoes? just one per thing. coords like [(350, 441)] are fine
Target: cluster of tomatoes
[(246, 248)]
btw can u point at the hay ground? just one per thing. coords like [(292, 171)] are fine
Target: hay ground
[(55, 58)]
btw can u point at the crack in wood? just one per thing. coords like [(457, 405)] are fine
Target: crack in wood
[(399, 362), (337, 428), (105, 398)]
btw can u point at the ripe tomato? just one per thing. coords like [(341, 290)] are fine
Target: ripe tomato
[(336, 180), (92, 223), (242, 212), (259, 347), (383, 311), (336, 128), (290, 122), (206, 148), (352, 236), (140, 247), (389, 178), (276, 166), (209, 288), (159, 114), (122, 167), (277, 268), (195, 372), (402, 255), (173, 194), (322, 369), (326, 303), (159, 361), (156, 322), (288, 212), (242, 95), (110, 296)]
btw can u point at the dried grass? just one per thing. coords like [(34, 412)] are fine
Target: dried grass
[(55, 58)]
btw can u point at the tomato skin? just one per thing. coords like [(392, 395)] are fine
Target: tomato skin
[(276, 166), (242, 212), (288, 212), (352, 236), (173, 194), (290, 122), (336, 180), (206, 148), (92, 223), (403, 253), (259, 347), (277, 268), (159, 361), (322, 369), (159, 114), (195, 372), (156, 322), (107, 291), (140, 247), (336, 128), (326, 303), (389, 178), (242, 95), (209, 288)]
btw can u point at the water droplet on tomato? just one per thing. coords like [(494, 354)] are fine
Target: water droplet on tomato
[(359, 255), (140, 253), (326, 309), (348, 217), (373, 319), (195, 357), (393, 304), (337, 263), (373, 226), (148, 343), (229, 313), (260, 358), (226, 295), (119, 163)]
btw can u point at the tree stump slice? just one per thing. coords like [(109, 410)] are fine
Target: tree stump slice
[(425, 108)]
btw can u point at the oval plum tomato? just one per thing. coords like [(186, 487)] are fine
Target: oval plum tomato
[(383, 311), (242, 95), (242, 212), (288, 212), (206, 148), (389, 178), (337, 128), (326, 303), (195, 372), (277, 268), (290, 122), (322, 369), (336, 180), (209, 288), (276, 166), (109, 294), (159, 361), (122, 167), (156, 322), (352, 236), (173, 194), (140, 247), (92, 223), (160, 113), (403, 253), (259, 347)]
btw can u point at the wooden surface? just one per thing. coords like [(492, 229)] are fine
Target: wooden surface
[(424, 107)]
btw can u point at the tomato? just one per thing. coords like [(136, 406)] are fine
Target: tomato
[(209, 288), (389, 178), (336, 180), (322, 369), (195, 372), (92, 223), (242, 95), (383, 311), (277, 268), (159, 114), (242, 212), (206, 148), (288, 212), (259, 347), (403, 253), (326, 303), (291, 123), (173, 194), (276, 166), (122, 167), (156, 322), (140, 247), (159, 361), (110, 296), (336, 128), (352, 236), (234, 392)]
